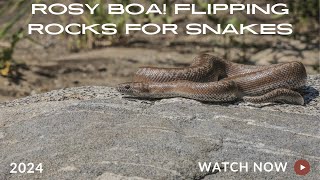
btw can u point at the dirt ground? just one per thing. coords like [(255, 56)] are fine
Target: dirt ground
[(50, 65)]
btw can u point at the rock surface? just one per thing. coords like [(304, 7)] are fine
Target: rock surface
[(95, 133)]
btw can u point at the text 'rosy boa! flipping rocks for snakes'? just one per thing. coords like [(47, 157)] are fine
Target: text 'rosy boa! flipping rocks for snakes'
[(213, 79)]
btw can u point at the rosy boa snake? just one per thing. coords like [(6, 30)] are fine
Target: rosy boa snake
[(213, 79)]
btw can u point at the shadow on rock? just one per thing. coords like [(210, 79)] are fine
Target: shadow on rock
[(309, 93), (16, 76)]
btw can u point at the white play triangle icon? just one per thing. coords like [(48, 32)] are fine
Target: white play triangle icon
[(302, 167)]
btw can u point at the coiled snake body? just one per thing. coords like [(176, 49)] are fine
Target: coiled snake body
[(213, 79)]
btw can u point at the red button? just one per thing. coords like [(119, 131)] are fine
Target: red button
[(302, 167)]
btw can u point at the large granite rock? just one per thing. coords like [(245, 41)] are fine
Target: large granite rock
[(95, 133)]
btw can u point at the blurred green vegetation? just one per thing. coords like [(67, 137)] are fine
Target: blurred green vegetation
[(100, 16), (307, 10), (303, 12), (12, 31)]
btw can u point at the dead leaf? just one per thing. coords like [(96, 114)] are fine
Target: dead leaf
[(5, 71)]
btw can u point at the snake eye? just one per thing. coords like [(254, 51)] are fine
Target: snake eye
[(127, 87)]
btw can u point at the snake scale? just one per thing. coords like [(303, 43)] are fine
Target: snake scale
[(213, 79)]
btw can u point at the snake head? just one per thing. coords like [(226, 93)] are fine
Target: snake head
[(133, 88)]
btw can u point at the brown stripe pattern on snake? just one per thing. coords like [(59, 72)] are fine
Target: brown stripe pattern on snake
[(213, 79)]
